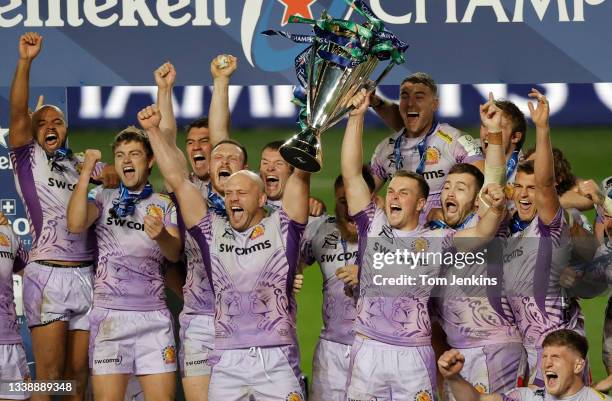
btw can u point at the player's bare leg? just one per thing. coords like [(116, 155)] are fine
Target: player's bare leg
[(49, 347), (109, 387), (158, 387), (76, 367), (196, 388)]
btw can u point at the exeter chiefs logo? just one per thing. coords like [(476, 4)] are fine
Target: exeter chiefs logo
[(257, 232), (4, 240), (420, 245), (481, 388), (293, 396), (155, 211), (169, 354), (432, 155), (423, 395)]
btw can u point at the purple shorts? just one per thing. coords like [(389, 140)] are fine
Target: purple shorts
[(270, 373), (131, 342), (385, 372), (53, 294), (330, 367), (197, 338), (13, 367)]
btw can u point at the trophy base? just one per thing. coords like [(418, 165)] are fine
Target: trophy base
[(301, 155)]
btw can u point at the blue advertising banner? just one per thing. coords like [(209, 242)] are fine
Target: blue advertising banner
[(270, 106), (119, 42)]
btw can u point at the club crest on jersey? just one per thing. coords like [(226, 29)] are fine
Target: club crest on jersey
[(423, 395), (481, 388), (293, 396), (4, 240), (420, 245), (78, 167), (229, 233), (509, 190), (169, 354), (155, 211), (257, 232), (331, 241), (432, 155)]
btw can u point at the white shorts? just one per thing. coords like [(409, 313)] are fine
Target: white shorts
[(256, 374), (385, 372), (131, 342), (494, 368), (330, 367), (197, 338), (13, 367), (53, 294)]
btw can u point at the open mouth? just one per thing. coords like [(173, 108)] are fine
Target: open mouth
[(551, 378), (224, 174), (129, 172), (237, 212), (51, 139), (451, 206), (524, 205), (395, 208), (198, 160), (272, 181), (412, 115)]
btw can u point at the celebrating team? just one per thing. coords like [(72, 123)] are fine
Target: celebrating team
[(100, 259)]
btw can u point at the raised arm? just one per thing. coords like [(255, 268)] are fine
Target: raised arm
[(495, 161), (296, 196), (173, 167), (81, 213), (165, 76), (450, 365), (546, 198), (387, 111), (357, 192), (20, 126), (488, 225), (221, 68)]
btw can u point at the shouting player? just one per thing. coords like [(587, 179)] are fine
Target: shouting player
[(251, 258), (131, 326), (58, 279), (393, 330)]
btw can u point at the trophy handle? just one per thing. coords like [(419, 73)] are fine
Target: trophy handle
[(370, 85)]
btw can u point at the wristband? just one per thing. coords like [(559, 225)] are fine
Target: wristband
[(494, 138)]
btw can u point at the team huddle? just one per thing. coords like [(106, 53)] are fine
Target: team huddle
[(106, 244)]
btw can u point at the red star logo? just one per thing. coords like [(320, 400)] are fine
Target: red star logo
[(300, 7)]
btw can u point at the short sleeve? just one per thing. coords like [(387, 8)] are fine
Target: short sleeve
[(310, 233), (378, 161), (95, 196)]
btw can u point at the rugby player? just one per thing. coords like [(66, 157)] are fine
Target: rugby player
[(421, 144), (251, 259), (58, 279), (332, 243), (538, 249), (131, 326), (483, 329), (12, 355), (563, 364), (393, 334)]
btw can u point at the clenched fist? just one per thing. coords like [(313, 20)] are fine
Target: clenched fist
[(165, 76), (154, 227), (92, 156), (223, 66), (494, 196), (149, 117), (30, 44), (450, 363)]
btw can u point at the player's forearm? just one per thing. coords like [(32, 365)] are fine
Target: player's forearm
[(170, 160), (352, 149), (464, 391), (486, 229), (296, 196), (219, 114), (388, 112), (167, 124), (170, 246), (495, 160), (544, 162), (19, 126), (77, 205), (572, 199)]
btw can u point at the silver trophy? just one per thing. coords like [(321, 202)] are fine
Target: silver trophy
[(330, 89)]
